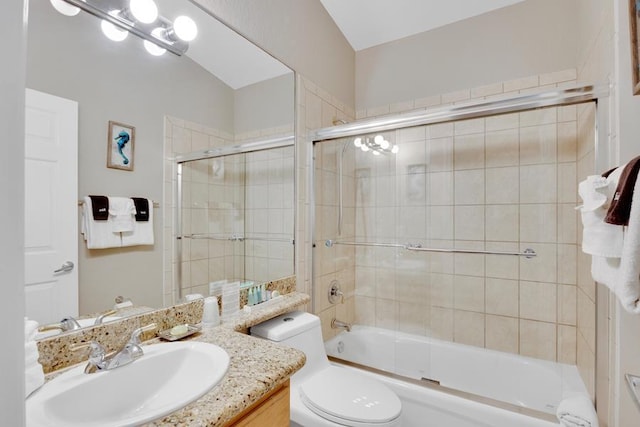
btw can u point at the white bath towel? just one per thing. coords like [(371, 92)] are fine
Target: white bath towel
[(577, 411), (121, 214), (31, 354), (33, 379), (97, 234), (142, 231), (627, 285), (598, 237), (30, 329)]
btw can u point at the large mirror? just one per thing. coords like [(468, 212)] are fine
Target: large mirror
[(223, 92)]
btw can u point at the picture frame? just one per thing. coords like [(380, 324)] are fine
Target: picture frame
[(634, 8), (120, 146)]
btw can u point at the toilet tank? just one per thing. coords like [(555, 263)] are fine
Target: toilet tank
[(299, 330)]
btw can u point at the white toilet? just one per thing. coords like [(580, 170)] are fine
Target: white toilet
[(322, 394)]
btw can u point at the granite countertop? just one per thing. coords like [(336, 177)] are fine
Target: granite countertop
[(256, 367)]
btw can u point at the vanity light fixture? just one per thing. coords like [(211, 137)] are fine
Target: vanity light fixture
[(377, 145), (139, 17)]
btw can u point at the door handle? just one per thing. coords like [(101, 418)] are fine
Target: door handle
[(67, 266)]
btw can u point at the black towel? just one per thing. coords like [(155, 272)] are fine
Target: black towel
[(100, 207), (620, 208), (142, 208)]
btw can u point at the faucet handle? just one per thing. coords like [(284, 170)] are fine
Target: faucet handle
[(102, 315), (135, 335), (96, 357)]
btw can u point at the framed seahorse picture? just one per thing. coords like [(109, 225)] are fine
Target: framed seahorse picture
[(120, 146), (634, 27)]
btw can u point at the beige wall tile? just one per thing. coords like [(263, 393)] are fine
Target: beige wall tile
[(500, 266), (440, 222), (440, 154), (469, 151), (538, 339), (567, 183), (502, 185), (487, 90), (441, 130), (442, 323), (365, 310), (587, 319), (538, 144), (541, 268), (502, 223), (502, 297), (502, 147), (558, 76), (469, 187), (522, 83), (567, 300), (413, 318), (567, 113), (469, 293), (538, 117), (441, 287), (538, 184), (538, 301), (567, 264), (469, 222), (567, 142), (502, 122), (460, 95), (538, 223), (502, 333), (440, 188), (468, 328), (386, 314), (469, 264), (467, 127)]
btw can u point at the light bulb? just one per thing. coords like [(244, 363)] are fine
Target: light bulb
[(185, 28), (153, 48), (357, 142), (144, 11), (111, 31), (364, 148), (395, 149), (65, 8), (378, 139), (384, 144)]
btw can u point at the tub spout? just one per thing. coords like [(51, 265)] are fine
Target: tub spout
[(337, 324)]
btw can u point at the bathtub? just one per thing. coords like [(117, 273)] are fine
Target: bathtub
[(477, 387)]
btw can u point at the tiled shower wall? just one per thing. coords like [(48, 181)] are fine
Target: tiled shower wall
[(502, 183), (239, 195)]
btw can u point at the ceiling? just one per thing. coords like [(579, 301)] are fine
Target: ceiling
[(367, 23), (223, 52)]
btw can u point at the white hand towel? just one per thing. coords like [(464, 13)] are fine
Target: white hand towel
[(121, 214), (142, 232), (33, 379), (98, 234), (598, 237), (30, 329), (31, 354), (577, 411)]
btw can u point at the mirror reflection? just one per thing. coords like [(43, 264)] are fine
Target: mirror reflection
[(223, 92)]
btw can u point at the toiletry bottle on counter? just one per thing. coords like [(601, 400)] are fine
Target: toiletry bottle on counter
[(211, 315)]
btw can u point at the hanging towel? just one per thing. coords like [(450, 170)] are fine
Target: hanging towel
[(33, 373), (142, 232), (620, 206), (97, 234), (142, 208), (627, 286), (121, 214), (100, 208), (598, 237), (577, 411)]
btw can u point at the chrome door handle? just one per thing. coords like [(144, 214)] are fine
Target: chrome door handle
[(67, 266)]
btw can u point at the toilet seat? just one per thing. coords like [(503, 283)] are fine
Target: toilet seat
[(349, 399)]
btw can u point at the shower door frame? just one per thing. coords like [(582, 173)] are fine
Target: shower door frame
[(604, 150), (212, 153), (572, 95)]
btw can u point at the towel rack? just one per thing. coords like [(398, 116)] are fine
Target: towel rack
[(527, 253), (155, 204), (233, 238)]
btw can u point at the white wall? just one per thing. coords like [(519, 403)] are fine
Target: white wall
[(528, 38), (121, 82), (300, 33), (12, 23)]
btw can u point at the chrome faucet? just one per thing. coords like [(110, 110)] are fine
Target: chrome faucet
[(101, 317), (337, 324), (66, 324), (99, 360)]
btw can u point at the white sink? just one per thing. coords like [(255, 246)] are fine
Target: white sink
[(166, 378)]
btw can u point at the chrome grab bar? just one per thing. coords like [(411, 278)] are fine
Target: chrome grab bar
[(527, 253)]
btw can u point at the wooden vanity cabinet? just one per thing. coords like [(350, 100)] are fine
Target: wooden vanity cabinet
[(272, 410)]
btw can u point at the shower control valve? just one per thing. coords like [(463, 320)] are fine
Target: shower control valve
[(335, 293)]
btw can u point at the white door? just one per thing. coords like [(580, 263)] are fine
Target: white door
[(51, 207)]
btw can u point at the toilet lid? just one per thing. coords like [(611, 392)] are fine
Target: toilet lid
[(350, 398)]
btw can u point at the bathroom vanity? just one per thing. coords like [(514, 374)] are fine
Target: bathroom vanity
[(253, 392)]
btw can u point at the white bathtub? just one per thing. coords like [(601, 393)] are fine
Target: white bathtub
[(523, 382)]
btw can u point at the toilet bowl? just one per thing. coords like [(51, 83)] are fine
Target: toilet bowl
[(324, 395)]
